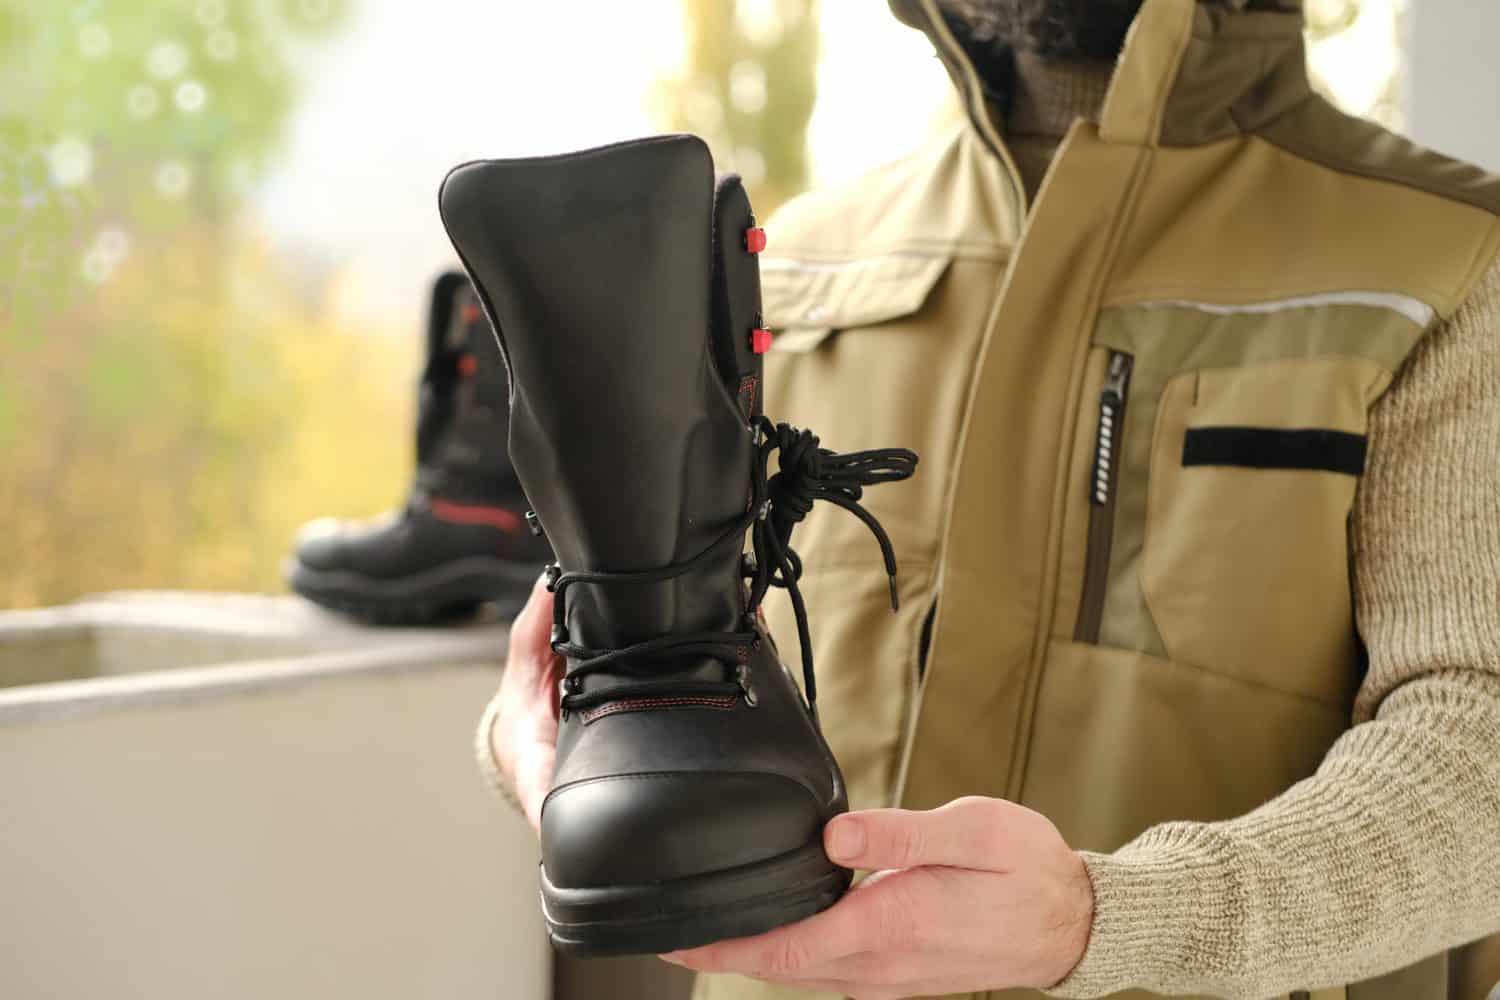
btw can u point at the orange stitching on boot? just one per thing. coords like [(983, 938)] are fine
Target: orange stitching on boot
[(647, 704), (748, 385)]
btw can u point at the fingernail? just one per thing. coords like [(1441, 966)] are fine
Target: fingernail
[(846, 839)]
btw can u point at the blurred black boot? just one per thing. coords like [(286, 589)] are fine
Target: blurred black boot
[(692, 783), (462, 539)]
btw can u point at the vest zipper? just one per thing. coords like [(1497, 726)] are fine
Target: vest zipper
[(924, 642), (1103, 484)]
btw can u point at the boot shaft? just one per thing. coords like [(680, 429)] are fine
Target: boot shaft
[(598, 272), (463, 407)]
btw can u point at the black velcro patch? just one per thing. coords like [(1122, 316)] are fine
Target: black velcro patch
[(1267, 448)]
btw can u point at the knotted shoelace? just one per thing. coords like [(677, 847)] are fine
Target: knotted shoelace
[(808, 473)]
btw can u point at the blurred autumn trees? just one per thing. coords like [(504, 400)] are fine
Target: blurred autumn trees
[(165, 386), (174, 397), (748, 88), (174, 400)]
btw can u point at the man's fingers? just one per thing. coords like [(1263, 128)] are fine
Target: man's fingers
[(972, 832), (531, 665), (831, 987), (523, 731), (846, 928), (533, 625), (533, 779), (869, 932)]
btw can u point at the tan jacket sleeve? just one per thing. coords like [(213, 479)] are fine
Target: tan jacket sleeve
[(1389, 852)]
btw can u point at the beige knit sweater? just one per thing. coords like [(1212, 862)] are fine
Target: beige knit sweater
[(1391, 852)]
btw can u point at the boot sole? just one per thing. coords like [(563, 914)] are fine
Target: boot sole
[(445, 592), (684, 913)]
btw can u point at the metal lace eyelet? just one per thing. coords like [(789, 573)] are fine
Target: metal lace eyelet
[(565, 687), (551, 573), (742, 675)]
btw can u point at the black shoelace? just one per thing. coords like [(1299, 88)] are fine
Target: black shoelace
[(808, 473)]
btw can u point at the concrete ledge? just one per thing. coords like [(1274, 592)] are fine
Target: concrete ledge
[(242, 797), (120, 651), (73, 698)]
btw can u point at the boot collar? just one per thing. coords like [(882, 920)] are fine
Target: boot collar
[(1192, 72)]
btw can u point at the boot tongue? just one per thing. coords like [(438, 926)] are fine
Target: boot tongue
[(735, 315), (681, 669)]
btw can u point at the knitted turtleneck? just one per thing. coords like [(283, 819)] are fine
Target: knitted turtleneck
[(1048, 96)]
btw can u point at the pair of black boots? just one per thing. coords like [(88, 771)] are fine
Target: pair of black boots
[(692, 783)]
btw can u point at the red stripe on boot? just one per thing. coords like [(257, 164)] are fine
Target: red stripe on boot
[(457, 513)]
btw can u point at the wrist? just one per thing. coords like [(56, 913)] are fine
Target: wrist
[(1155, 903), (1073, 926)]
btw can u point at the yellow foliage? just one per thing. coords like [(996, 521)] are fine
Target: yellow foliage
[(175, 429)]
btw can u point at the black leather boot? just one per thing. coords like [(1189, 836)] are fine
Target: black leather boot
[(692, 783), (461, 539)]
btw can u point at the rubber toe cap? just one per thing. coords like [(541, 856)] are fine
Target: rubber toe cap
[(638, 828)]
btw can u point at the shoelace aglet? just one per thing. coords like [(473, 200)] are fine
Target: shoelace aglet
[(895, 598)]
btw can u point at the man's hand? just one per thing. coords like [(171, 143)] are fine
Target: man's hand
[(981, 894), (523, 737)]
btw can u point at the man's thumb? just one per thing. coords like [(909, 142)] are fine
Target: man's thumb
[(972, 833)]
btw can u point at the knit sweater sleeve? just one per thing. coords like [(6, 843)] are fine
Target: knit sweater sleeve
[(1388, 853)]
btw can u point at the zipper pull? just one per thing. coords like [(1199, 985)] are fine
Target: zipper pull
[(1118, 378), (1111, 409)]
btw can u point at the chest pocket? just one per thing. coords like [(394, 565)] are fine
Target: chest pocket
[(1236, 449), (854, 358), (808, 300), (869, 352), (1252, 478)]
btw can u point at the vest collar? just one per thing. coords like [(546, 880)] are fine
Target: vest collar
[(1191, 72)]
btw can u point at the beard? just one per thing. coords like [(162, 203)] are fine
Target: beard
[(992, 31)]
